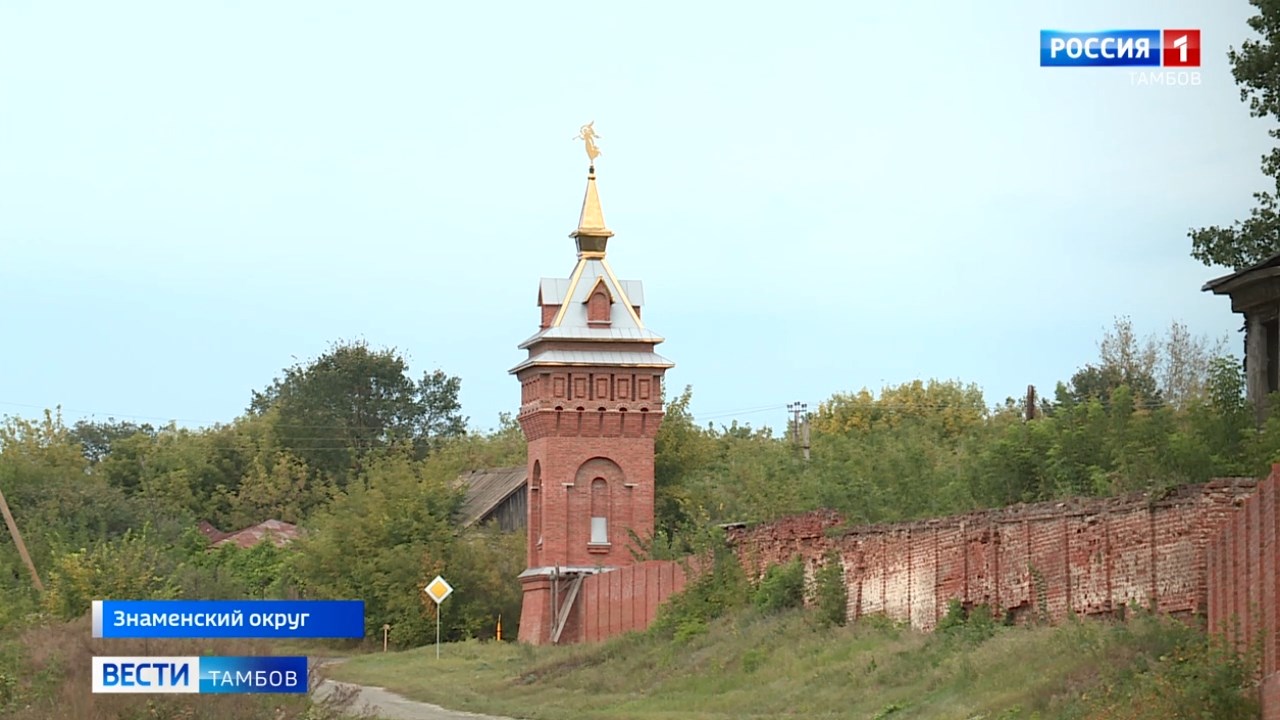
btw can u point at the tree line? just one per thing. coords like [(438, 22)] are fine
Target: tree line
[(351, 447), (365, 458)]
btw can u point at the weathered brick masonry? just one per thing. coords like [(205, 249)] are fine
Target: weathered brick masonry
[(1244, 583), (1089, 556)]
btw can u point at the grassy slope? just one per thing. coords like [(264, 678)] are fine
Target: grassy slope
[(45, 675), (754, 666)]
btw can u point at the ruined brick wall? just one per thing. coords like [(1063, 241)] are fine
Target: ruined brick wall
[(1089, 556), (1244, 583)]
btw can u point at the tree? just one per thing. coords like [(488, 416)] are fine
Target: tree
[(1256, 67), (371, 541), (1186, 365), (281, 491), (98, 438), (338, 409), (1173, 369), (949, 407), (681, 450)]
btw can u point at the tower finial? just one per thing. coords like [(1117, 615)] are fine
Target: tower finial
[(587, 134), (592, 234)]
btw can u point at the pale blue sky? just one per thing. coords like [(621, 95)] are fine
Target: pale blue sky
[(817, 196)]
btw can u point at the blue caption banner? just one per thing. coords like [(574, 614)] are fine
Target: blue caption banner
[(200, 675), (1108, 48), (228, 618)]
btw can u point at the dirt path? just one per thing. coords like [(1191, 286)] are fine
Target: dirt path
[(390, 706)]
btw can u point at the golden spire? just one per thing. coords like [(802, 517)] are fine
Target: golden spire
[(592, 234)]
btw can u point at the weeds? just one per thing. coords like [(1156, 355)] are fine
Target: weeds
[(831, 593)]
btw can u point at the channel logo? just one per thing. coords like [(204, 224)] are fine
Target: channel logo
[(1120, 48), (204, 675)]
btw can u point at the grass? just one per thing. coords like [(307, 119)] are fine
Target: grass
[(757, 665), (45, 672)]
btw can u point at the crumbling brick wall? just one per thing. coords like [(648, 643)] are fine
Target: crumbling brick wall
[(1087, 556), (1203, 549)]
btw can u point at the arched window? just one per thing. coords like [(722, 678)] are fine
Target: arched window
[(599, 512)]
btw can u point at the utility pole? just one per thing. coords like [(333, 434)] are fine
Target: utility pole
[(17, 540), (1031, 402), (800, 433), (805, 437)]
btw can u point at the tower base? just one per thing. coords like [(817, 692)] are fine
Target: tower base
[(535, 610), (549, 609)]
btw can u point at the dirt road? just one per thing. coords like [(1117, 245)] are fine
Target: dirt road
[(390, 706)]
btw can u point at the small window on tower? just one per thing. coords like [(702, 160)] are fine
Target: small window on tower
[(598, 307)]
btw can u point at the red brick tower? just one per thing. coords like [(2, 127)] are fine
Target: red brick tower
[(591, 403)]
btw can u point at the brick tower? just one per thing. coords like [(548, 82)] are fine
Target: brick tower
[(591, 403)]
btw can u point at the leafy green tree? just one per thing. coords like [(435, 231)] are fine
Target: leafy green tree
[(99, 438), (682, 450), (482, 565), (338, 409), (1256, 67), (371, 542), (57, 503), (284, 491), (949, 408)]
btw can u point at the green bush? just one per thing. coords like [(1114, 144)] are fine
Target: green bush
[(831, 594), (711, 595), (974, 624), (782, 587), (261, 572), (133, 566), (1179, 673)]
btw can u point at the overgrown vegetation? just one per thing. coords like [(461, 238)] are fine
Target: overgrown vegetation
[(45, 673), (782, 587), (1148, 414), (754, 664), (364, 459), (831, 595)]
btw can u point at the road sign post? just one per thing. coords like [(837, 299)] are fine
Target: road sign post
[(438, 590)]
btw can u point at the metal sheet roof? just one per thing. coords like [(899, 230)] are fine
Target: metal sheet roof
[(275, 531), (553, 290), (574, 332), (596, 357)]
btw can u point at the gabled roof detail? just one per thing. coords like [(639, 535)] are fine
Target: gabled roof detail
[(552, 291), (589, 272), (598, 284)]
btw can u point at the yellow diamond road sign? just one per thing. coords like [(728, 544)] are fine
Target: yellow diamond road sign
[(438, 589)]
